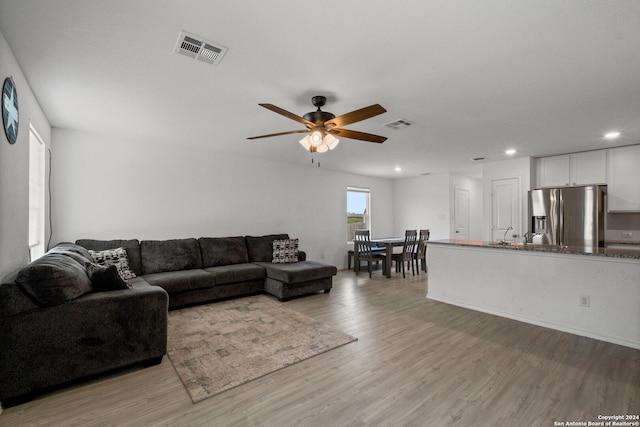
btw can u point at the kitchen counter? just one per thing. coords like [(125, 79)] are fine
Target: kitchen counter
[(593, 292), (615, 252)]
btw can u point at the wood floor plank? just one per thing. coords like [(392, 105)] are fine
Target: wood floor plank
[(417, 362)]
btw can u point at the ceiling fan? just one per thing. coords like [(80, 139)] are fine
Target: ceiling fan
[(322, 127)]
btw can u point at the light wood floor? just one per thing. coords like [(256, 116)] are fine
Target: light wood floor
[(417, 363)]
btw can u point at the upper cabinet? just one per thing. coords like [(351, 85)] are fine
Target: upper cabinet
[(589, 167), (554, 171), (585, 168), (623, 179)]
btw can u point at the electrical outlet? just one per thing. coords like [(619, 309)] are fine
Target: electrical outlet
[(584, 301), (626, 235)]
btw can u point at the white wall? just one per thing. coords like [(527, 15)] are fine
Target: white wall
[(110, 188), (427, 202), (521, 168), (422, 202), (14, 168)]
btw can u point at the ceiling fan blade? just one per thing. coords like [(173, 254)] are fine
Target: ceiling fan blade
[(356, 116), (354, 134), (288, 114), (280, 133)]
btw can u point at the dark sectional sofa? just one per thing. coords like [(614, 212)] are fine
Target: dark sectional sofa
[(62, 318), (193, 271)]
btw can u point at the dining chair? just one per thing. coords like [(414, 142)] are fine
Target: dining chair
[(421, 252), (363, 251), (408, 251)]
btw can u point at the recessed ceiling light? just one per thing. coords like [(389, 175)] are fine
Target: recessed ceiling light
[(612, 135), (398, 169), (510, 152)]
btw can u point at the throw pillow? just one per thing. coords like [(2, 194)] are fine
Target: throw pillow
[(117, 257), (106, 278), (285, 251)]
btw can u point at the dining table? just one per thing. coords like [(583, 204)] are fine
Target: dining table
[(388, 243)]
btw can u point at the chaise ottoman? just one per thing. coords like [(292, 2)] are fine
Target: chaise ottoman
[(299, 278)]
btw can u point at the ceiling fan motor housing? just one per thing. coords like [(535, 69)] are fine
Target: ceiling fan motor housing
[(319, 117)]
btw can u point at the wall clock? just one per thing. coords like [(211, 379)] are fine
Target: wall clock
[(10, 110)]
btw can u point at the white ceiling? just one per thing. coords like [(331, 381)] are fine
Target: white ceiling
[(476, 77)]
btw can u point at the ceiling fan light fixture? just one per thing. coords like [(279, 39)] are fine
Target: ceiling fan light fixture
[(330, 141), (306, 142), (322, 148), (315, 138)]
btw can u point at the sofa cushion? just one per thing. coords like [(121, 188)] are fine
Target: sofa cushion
[(82, 256), (132, 246), (170, 255), (226, 274), (106, 278), (54, 279), (285, 251), (261, 248), (116, 257), (72, 249), (223, 251), (180, 281), (298, 272)]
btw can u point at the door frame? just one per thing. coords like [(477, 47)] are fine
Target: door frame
[(455, 213), (516, 208)]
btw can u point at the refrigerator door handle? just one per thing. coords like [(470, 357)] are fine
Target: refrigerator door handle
[(561, 240)]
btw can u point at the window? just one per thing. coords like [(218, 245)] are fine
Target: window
[(358, 211), (37, 245)]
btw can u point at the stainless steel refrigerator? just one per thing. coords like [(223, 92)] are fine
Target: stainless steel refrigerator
[(568, 216)]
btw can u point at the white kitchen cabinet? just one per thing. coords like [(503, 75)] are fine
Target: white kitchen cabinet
[(623, 179), (589, 167), (554, 171)]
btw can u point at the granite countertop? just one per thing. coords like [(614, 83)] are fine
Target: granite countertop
[(514, 246)]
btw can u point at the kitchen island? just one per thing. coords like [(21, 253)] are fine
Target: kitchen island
[(593, 292)]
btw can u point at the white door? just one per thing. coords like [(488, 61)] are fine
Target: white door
[(505, 209), (461, 214)]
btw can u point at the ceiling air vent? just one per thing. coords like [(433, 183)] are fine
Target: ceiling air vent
[(197, 48), (399, 124)]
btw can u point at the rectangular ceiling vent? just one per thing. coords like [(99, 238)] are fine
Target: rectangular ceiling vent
[(399, 124), (197, 48)]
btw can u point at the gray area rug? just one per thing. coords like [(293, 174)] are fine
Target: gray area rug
[(218, 346)]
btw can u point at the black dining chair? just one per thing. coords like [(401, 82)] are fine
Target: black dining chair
[(421, 253), (408, 251), (363, 251)]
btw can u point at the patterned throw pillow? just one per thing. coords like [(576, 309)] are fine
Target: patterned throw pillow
[(285, 251), (117, 257)]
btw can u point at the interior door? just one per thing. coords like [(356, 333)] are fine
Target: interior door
[(461, 214), (505, 209)]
